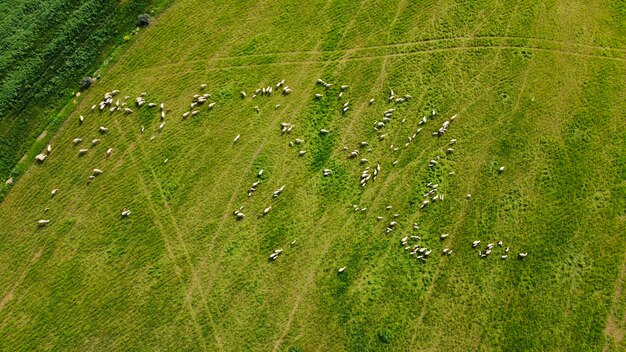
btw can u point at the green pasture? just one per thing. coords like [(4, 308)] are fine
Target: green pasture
[(538, 87)]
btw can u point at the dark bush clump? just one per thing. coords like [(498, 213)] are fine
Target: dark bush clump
[(86, 82), (143, 20)]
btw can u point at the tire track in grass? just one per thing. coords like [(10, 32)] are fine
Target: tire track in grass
[(229, 205), (11, 294), (429, 291), (168, 245), (537, 46), (311, 276)]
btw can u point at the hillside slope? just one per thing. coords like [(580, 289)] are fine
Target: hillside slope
[(536, 87)]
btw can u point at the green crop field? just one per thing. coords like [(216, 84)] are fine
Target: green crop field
[(538, 87)]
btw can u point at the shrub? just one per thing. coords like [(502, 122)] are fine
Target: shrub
[(143, 20), (86, 82)]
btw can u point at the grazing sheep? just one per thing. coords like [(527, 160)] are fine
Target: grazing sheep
[(194, 113), (128, 111), (210, 106), (371, 101), (109, 151), (203, 85), (341, 270), (97, 172), (302, 152), (501, 169), (444, 236), (186, 114), (504, 256), (103, 129), (475, 243), (256, 108), (323, 131), (318, 96), (267, 210), (41, 157), (54, 191), (125, 212), (236, 138), (82, 152), (43, 223), (260, 173), (162, 115), (327, 172), (243, 95), (81, 119), (95, 142), (49, 149), (77, 140), (522, 255), (161, 126), (162, 107)]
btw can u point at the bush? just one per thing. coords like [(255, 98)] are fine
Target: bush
[(86, 82), (143, 20)]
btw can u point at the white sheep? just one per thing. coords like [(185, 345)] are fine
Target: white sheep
[(236, 138), (109, 151), (97, 172), (43, 223)]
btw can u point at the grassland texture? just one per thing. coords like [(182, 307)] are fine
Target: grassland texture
[(538, 88)]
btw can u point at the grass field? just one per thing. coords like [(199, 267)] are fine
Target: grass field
[(538, 88)]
